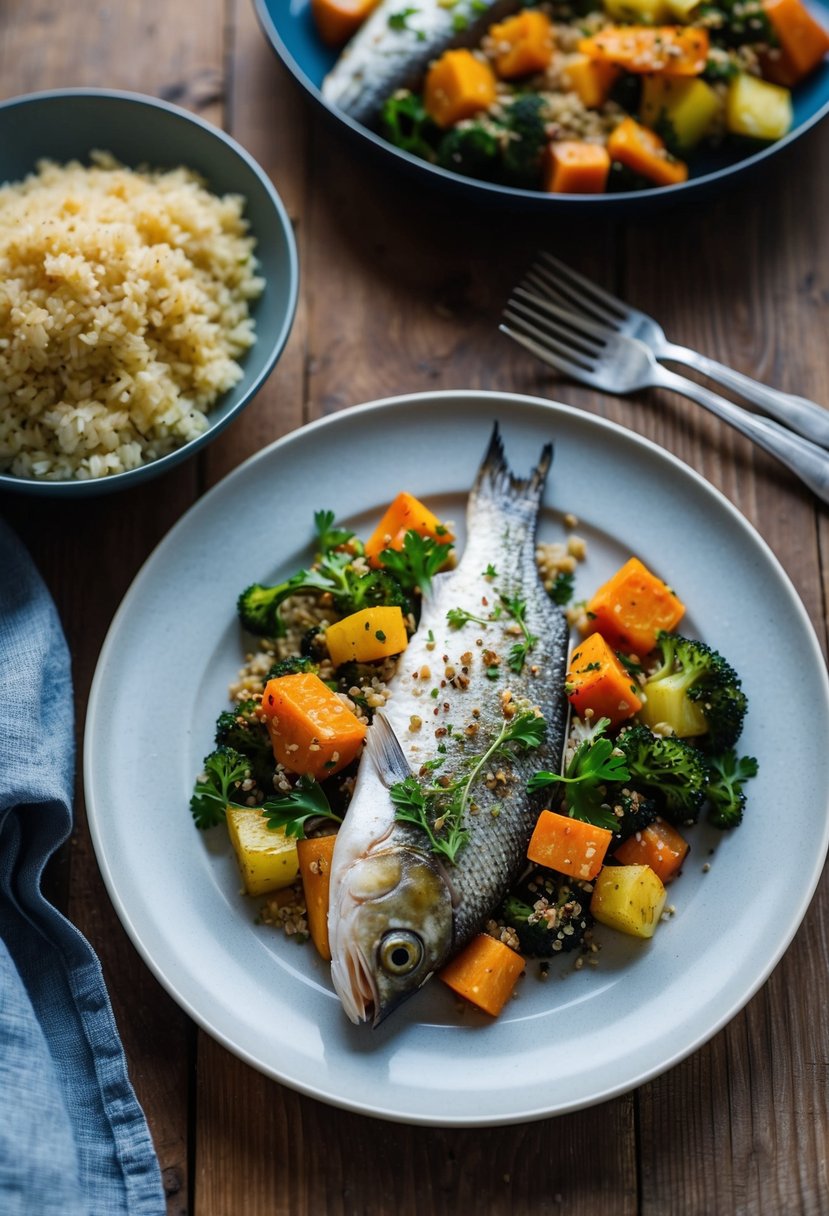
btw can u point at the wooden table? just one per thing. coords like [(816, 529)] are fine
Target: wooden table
[(402, 293)]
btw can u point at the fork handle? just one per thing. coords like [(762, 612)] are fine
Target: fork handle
[(808, 461), (797, 413)]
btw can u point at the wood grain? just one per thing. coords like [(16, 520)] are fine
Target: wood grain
[(401, 291)]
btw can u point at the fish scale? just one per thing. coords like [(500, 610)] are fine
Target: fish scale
[(443, 705)]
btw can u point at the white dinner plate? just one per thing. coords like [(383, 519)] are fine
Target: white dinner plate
[(581, 1036)]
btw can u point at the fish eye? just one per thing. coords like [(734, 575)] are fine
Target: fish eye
[(400, 952)]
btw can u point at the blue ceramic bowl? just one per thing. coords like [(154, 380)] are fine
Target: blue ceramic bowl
[(290, 30), (69, 123)]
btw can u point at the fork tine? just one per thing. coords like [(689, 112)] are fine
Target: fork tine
[(543, 352), (546, 285), (573, 345), (598, 294), (566, 316)]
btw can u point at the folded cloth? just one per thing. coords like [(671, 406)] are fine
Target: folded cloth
[(73, 1138)]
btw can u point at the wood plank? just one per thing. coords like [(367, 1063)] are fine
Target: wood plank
[(91, 557), (725, 1130), (291, 1154)]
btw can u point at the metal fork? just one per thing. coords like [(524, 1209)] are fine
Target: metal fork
[(615, 363), (552, 279)]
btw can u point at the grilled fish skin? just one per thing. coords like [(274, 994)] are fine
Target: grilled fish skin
[(397, 912), (396, 44)]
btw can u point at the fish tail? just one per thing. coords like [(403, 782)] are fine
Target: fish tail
[(496, 481)]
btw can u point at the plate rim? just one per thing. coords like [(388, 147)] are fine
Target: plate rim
[(369, 1107)]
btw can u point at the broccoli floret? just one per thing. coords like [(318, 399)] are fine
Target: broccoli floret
[(549, 912), (726, 776), (293, 665), (350, 590), (312, 646), (471, 149), (668, 769), (634, 811), (526, 123), (738, 23), (405, 123), (243, 730), (696, 692), (224, 770)]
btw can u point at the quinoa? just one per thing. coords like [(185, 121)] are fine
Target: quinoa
[(124, 309)]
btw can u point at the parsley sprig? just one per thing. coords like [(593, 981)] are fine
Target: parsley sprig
[(307, 800), (416, 564), (595, 762), (458, 617), (516, 607), (330, 536), (440, 810), (224, 771)]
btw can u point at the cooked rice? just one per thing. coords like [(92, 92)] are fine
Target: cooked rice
[(123, 310)]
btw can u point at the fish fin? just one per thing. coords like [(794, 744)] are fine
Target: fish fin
[(384, 751), (496, 480)]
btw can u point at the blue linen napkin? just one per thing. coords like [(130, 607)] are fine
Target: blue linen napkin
[(73, 1139)]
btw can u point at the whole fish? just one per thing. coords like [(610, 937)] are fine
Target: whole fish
[(396, 44), (399, 910)]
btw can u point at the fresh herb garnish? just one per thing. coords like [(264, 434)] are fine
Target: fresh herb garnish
[(458, 617), (328, 536), (561, 592), (223, 772), (440, 810), (415, 565), (307, 800), (595, 762), (400, 21), (517, 609)]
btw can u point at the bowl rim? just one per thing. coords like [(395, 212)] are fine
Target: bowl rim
[(491, 190), (115, 481)]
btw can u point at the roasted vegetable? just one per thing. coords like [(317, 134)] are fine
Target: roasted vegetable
[(312, 730), (549, 913), (695, 692), (628, 898), (484, 973)]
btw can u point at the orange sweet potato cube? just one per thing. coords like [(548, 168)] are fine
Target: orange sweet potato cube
[(632, 607), (312, 731), (598, 685)]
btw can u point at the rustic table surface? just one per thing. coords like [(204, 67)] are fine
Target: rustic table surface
[(402, 293)]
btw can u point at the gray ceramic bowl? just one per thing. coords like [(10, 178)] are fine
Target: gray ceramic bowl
[(69, 123)]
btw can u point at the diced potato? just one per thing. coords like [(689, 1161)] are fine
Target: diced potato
[(756, 108), (373, 633), (641, 12), (267, 857), (689, 106), (628, 898), (666, 703)]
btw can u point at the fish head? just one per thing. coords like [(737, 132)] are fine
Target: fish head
[(394, 930)]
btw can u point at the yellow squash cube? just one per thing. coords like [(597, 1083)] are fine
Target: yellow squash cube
[(681, 10), (628, 898), (591, 79), (638, 12), (363, 637), (758, 109), (267, 857), (688, 105)]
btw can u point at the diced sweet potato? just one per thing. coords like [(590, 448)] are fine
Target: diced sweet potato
[(311, 729), (642, 150), (567, 845), (674, 49), (592, 79), (598, 685), (405, 514), (576, 167), (458, 85), (314, 856), (522, 44), (485, 973), (339, 20), (659, 846), (632, 607), (803, 42)]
